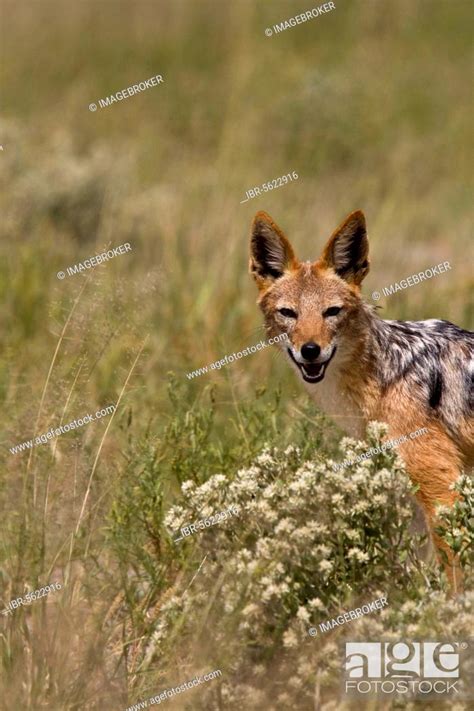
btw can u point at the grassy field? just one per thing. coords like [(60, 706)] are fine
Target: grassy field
[(371, 105)]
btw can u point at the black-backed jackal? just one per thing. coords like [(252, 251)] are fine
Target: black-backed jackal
[(358, 367)]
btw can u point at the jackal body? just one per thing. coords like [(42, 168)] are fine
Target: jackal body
[(358, 367)]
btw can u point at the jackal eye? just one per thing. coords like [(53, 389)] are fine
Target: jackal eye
[(332, 311), (289, 313)]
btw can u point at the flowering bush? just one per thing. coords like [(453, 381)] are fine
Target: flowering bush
[(305, 531), (457, 522), (308, 543)]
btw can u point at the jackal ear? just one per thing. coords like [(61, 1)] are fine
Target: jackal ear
[(270, 252), (347, 250)]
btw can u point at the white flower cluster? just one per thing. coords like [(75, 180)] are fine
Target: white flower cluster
[(308, 542)]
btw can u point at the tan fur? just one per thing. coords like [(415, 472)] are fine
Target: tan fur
[(349, 391)]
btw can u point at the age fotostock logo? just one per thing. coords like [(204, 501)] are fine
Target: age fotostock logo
[(414, 668)]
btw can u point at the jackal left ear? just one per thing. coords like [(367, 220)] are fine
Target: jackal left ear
[(271, 253), (347, 250)]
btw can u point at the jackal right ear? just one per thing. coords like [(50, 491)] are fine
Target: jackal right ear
[(270, 252), (347, 251)]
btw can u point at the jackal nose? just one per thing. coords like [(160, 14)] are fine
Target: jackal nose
[(310, 350)]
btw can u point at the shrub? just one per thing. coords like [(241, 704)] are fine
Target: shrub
[(307, 543)]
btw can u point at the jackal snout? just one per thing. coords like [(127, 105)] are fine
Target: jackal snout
[(310, 351)]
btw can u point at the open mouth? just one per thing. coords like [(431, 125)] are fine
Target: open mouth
[(312, 372)]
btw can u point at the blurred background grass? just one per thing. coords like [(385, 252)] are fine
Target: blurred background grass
[(370, 104)]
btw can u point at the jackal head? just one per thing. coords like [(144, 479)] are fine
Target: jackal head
[(317, 304)]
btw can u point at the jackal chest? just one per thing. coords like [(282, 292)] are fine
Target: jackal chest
[(338, 405)]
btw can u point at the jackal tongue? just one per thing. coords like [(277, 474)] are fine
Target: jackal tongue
[(312, 369)]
